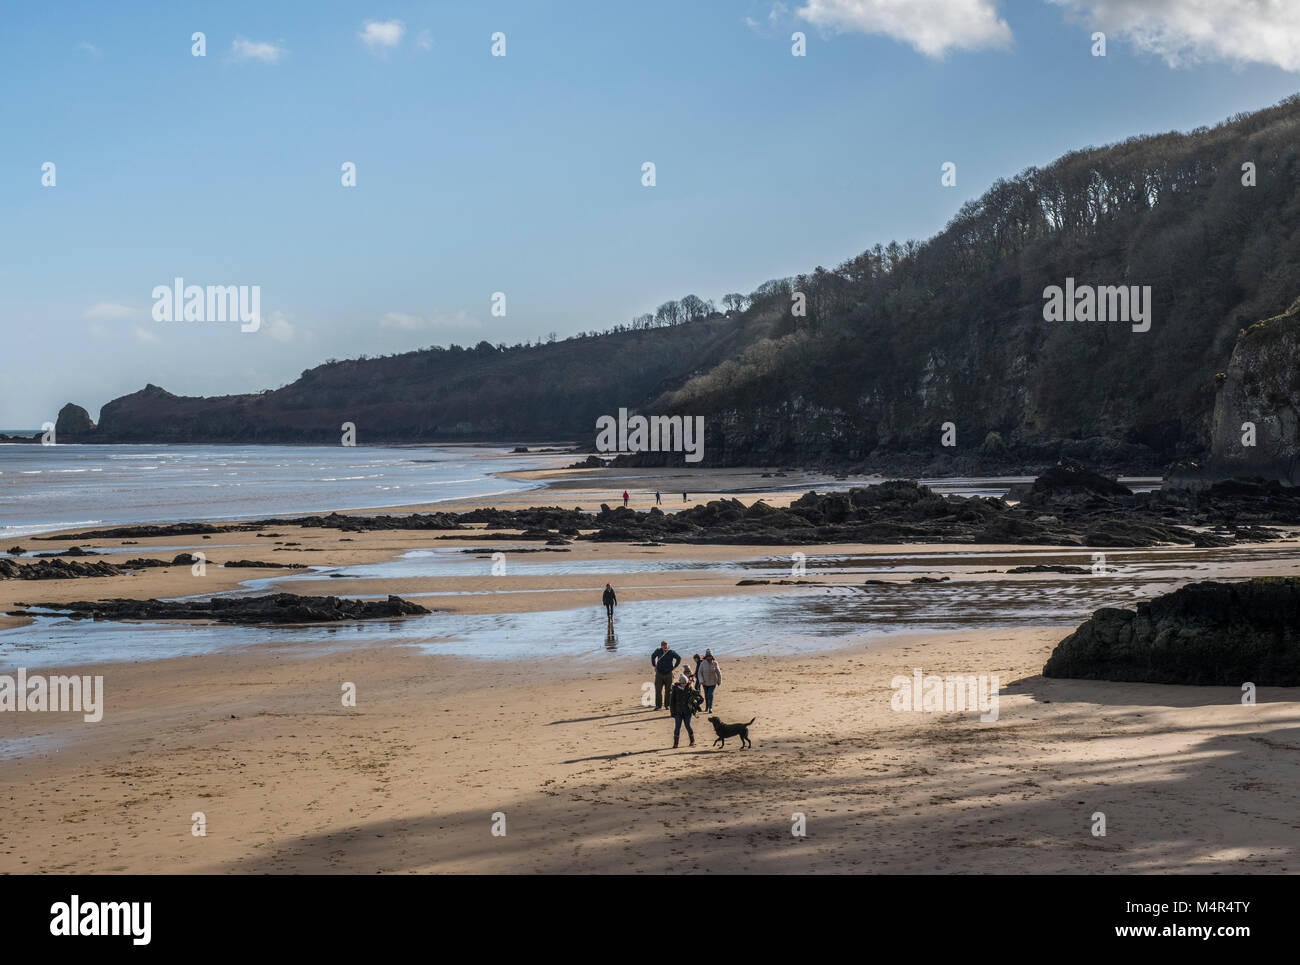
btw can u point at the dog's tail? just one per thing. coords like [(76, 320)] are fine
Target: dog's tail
[(751, 720)]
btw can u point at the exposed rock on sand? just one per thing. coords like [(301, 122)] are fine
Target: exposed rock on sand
[(1205, 633), (1046, 568), (157, 529), (276, 608), (55, 569)]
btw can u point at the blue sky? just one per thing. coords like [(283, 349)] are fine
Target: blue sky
[(522, 173)]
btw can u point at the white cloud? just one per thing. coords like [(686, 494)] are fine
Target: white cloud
[(278, 326), (405, 322), (88, 47), (258, 50), (425, 40), (380, 35), (401, 321), (931, 26), (109, 311), (1184, 32), (144, 335)]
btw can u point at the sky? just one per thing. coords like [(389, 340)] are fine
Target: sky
[(523, 174)]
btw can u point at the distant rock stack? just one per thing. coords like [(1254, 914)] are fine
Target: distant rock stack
[(74, 424)]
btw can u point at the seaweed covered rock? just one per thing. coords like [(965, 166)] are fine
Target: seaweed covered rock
[(1206, 633), (272, 609)]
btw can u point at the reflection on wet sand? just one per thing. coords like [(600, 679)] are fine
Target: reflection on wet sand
[(848, 598)]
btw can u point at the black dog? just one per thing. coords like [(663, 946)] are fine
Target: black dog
[(732, 730)]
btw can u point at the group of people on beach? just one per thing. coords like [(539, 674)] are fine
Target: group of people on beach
[(659, 498), (693, 689)]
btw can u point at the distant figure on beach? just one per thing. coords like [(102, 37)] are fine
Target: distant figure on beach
[(658, 498), (709, 677), (624, 498), (683, 497), (683, 703), (695, 677), (664, 661), (610, 600)]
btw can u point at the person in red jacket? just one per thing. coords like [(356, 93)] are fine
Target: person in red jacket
[(625, 499)]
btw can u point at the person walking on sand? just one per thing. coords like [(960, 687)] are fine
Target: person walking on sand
[(683, 703), (625, 497), (664, 661), (683, 497), (610, 600), (695, 677), (709, 677), (659, 499)]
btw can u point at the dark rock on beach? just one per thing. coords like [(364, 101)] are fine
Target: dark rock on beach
[(1207, 633), (157, 529), (144, 563), (55, 569), (1043, 568), (54, 566), (255, 564), (273, 609)]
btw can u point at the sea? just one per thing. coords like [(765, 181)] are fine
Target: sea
[(47, 488)]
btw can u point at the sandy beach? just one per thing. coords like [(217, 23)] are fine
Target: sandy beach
[(409, 780), (440, 749)]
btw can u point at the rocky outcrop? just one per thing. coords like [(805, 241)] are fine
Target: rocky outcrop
[(55, 569), (1256, 425), (150, 530), (73, 425), (1205, 633), (274, 609), (54, 566)]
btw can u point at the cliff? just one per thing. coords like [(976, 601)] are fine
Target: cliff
[(1256, 429)]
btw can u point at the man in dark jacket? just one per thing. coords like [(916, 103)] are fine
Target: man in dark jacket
[(683, 702), (664, 661), (610, 600)]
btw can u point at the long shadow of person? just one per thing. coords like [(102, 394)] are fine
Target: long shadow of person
[(611, 641)]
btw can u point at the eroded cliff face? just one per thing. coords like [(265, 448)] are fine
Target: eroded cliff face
[(1256, 426)]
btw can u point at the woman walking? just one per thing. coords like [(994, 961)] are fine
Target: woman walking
[(709, 677)]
